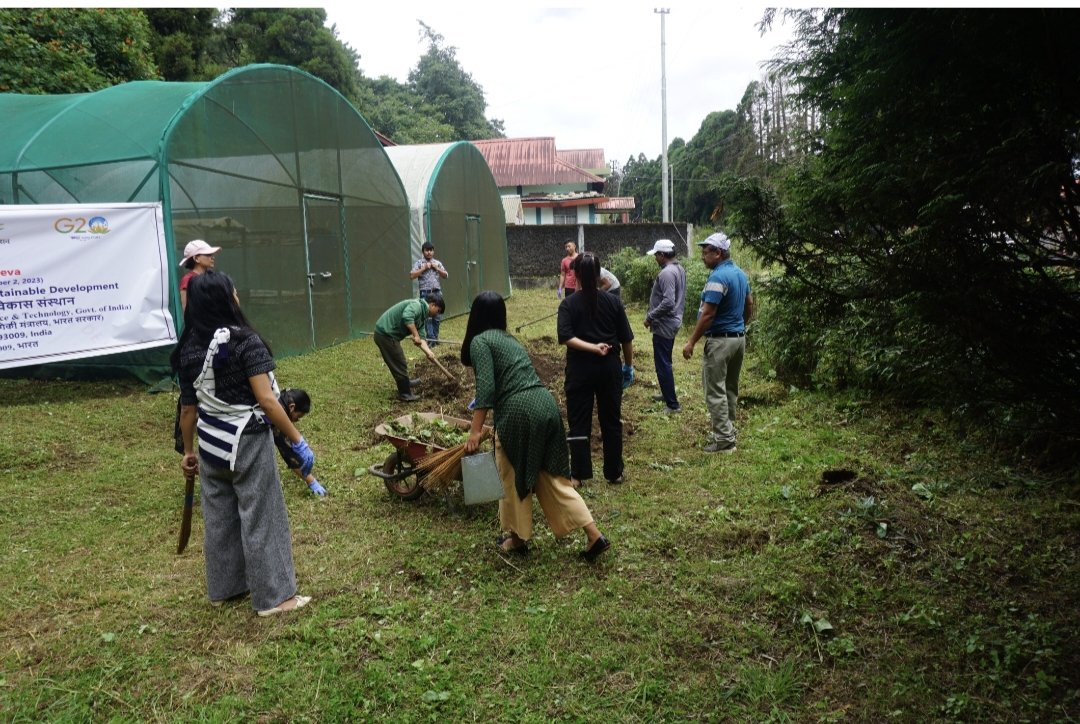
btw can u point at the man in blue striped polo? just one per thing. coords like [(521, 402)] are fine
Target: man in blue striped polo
[(726, 307)]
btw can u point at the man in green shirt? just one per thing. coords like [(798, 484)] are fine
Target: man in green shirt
[(398, 322)]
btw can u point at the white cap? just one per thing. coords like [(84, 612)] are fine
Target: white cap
[(718, 240), (664, 245), (196, 247)]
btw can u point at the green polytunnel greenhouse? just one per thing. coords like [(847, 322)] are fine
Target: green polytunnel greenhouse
[(455, 205), (267, 162)]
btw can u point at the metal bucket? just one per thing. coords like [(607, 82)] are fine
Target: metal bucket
[(480, 478)]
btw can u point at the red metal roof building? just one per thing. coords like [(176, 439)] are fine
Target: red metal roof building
[(589, 159), (553, 185)]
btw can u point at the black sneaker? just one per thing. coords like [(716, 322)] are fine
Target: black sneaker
[(408, 397)]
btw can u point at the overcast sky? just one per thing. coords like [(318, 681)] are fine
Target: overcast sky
[(589, 76)]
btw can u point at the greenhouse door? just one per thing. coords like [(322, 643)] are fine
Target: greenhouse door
[(325, 270), (472, 256)]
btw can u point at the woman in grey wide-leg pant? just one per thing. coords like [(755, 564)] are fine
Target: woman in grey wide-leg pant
[(247, 526), (228, 393)]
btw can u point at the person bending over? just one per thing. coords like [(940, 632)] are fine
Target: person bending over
[(398, 322), (530, 441), (297, 403)]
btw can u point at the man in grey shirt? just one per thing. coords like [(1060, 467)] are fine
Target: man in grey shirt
[(430, 272), (665, 317)]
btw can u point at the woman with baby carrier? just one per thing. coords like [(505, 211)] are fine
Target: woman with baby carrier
[(228, 392)]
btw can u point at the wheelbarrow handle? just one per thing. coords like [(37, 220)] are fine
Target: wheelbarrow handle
[(377, 471)]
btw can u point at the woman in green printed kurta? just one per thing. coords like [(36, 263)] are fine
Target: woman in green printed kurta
[(530, 442)]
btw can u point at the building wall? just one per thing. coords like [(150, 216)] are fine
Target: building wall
[(535, 251), (586, 214), (546, 215)]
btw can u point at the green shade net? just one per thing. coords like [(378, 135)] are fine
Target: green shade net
[(267, 162), (456, 206)]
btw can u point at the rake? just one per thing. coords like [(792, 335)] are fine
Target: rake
[(541, 319)]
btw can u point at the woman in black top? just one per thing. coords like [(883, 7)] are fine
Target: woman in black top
[(592, 323), (227, 390)]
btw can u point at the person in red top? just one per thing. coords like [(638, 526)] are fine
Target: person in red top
[(198, 257), (567, 278)]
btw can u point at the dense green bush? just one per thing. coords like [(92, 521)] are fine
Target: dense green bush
[(696, 276), (635, 272)]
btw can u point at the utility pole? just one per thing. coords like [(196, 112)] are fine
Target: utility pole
[(664, 171), (671, 173)]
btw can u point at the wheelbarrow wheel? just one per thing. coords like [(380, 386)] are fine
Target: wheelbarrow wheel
[(407, 487)]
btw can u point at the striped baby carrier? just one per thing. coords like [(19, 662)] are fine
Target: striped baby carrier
[(221, 424)]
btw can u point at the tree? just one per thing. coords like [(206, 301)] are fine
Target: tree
[(442, 83), (291, 36), (934, 228), (64, 50), (641, 178), (396, 111), (714, 149), (181, 38)]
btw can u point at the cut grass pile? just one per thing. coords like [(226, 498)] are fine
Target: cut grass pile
[(850, 562)]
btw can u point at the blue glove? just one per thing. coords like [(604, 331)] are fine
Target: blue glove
[(558, 293), (316, 488), (307, 458), (472, 404), (627, 376)]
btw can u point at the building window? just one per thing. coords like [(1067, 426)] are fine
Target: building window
[(565, 214)]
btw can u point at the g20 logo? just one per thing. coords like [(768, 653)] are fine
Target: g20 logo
[(78, 225)]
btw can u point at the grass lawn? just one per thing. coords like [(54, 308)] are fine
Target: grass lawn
[(851, 562)]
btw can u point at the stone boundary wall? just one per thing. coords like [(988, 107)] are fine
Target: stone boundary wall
[(534, 252)]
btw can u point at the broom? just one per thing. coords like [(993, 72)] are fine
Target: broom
[(441, 468)]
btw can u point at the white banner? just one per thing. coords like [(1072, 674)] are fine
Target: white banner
[(80, 280)]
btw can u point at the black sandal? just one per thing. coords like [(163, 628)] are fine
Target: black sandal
[(594, 551)]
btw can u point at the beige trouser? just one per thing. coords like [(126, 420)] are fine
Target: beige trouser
[(563, 508), (720, 381)]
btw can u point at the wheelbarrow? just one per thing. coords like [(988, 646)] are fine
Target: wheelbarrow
[(398, 472)]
